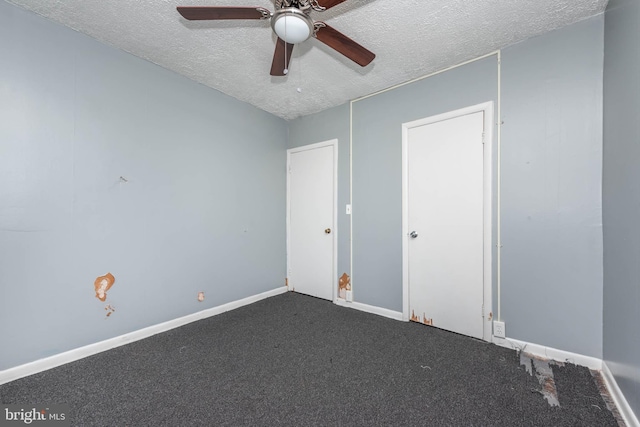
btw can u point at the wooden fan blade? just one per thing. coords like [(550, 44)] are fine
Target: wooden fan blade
[(212, 12), (281, 58), (343, 44), (329, 3)]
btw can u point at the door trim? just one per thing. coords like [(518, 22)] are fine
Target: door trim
[(334, 269), (487, 108)]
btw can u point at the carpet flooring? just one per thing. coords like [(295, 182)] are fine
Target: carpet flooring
[(294, 360)]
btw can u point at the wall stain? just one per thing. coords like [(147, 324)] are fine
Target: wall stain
[(424, 319), (110, 309), (427, 321), (102, 284), (344, 285)]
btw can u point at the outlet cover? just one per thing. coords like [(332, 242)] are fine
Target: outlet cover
[(350, 296), (498, 329)]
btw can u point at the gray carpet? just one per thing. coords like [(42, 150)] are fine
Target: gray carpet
[(299, 361)]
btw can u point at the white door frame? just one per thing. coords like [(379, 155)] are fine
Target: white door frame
[(334, 229), (487, 108)]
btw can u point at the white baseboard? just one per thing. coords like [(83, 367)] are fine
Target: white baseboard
[(396, 315), (550, 352), (618, 397), (31, 368)]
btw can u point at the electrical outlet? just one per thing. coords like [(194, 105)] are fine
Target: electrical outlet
[(498, 329), (348, 210), (350, 296)]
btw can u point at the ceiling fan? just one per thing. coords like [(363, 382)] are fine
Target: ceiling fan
[(292, 25)]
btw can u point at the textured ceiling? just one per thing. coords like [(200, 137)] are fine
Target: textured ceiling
[(411, 38)]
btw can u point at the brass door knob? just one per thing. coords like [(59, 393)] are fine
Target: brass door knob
[(328, 231)]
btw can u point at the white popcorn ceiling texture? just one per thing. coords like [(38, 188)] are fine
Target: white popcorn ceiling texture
[(411, 38)]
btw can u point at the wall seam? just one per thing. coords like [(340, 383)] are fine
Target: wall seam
[(499, 192)]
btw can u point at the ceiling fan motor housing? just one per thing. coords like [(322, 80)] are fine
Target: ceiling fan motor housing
[(292, 25)]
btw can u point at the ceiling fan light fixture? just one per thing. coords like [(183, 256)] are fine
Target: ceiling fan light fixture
[(292, 25)]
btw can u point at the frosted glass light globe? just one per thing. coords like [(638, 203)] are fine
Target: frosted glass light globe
[(292, 25)]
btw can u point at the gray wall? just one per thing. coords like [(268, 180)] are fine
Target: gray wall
[(621, 201), (551, 189), (203, 208), (551, 183), (320, 127)]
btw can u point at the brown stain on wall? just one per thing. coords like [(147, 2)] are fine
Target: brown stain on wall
[(109, 309), (427, 321), (344, 285), (102, 284), (424, 319), (344, 282)]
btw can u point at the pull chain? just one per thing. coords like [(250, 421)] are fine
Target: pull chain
[(286, 70)]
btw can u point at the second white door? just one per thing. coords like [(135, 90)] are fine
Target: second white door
[(311, 216), (445, 241)]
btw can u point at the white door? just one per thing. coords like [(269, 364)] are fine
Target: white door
[(444, 242), (311, 219)]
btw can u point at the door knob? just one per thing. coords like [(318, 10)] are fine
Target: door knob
[(328, 231), (413, 234)]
